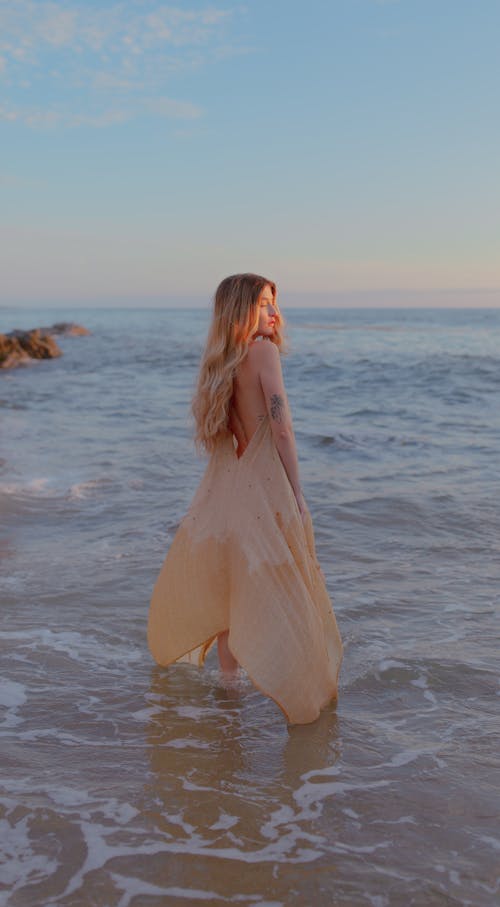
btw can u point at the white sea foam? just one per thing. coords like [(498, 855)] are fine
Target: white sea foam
[(83, 647), (81, 490), (99, 851), (12, 697), (224, 821), (12, 693), (350, 812), (196, 713), (385, 664), (314, 792), (181, 743), (19, 861), (422, 683), (45, 487), (36, 487), (144, 714), (135, 888), (489, 839), (405, 757), (70, 800)]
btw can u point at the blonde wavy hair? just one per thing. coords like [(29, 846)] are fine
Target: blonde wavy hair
[(235, 319)]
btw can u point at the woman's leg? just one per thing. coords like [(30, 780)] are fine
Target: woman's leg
[(227, 660)]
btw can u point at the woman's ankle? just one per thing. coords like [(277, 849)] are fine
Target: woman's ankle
[(227, 661)]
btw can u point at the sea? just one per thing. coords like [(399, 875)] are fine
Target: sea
[(128, 785)]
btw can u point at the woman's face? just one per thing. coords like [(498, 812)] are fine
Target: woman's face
[(267, 313)]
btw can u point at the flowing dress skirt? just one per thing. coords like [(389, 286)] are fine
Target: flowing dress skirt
[(244, 560)]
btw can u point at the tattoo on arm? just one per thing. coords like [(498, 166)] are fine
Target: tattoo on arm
[(277, 407)]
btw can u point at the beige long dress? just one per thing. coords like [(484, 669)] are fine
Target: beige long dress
[(243, 559)]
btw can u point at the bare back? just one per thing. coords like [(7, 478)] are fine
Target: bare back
[(259, 390), (248, 405)]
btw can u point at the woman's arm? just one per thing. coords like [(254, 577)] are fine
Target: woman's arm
[(271, 379)]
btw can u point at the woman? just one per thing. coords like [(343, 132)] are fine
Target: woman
[(242, 567)]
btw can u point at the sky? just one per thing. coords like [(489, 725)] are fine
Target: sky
[(347, 149)]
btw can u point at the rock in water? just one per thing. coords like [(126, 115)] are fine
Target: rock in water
[(20, 347), (68, 328)]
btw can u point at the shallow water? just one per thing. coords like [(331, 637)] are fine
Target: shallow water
[(124, 784)]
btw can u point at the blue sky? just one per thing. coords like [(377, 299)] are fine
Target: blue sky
[(347, 149)]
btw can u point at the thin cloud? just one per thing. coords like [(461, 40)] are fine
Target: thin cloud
[(34, 118), (183, 27), (28, 27), (110, 81), (58, 27), (166, 107), (7, 115), (119, 56), (47, 119)]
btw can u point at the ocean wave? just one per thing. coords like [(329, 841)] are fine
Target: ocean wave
[(44, 488), (343, 441), (39, 486), (90, 487)]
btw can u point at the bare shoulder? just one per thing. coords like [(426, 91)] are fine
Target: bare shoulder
[(263, 353)]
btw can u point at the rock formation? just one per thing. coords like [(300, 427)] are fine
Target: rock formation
[(21, 347), (68, 328)]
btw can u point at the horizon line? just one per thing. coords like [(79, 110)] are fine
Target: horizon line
[(380, 298)]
